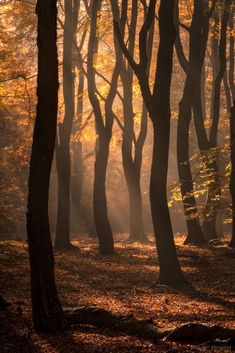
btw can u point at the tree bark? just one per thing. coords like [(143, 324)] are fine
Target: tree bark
[(214, 190), (170, 271), (104, 133), (158, 106), (231, 55), (195, 235), (46, 308), (77, 177), (131, 149), (62, 240), (232, 176)]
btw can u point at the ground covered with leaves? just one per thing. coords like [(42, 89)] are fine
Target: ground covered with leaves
[(124, 284)]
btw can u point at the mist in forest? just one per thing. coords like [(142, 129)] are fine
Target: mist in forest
[(117, 214)]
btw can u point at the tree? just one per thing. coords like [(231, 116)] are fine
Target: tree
[(193, 68), (62, 240), (232, 177), (132, 145), (214, 192), (104, 133), (46, 308), (192, 98), (158, 105)]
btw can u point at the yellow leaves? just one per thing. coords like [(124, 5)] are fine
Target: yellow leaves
[(136, 88), (103, 62), (104, 90), (115, 141), (175, 195), (88, 135), (174, 115)]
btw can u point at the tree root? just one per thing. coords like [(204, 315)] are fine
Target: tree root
[(195, 333)]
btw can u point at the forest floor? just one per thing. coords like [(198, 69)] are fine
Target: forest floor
[(123, 284)]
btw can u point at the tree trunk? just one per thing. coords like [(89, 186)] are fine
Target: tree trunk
[(77, 179), (102, 225), (232, 176), (158, 106), (231, 54), (195, 235), (76, 187), (46, 308), (214, 192), (104, 132), (62, 240), (136, 227), (214, 57), (132, 171), (227, 91), (170, 271)]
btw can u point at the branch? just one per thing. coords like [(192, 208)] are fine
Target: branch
[(123, 46), (144, 33)]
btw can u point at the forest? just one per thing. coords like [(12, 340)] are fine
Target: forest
[(117, 150)]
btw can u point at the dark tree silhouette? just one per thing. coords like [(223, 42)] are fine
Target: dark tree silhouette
[(46, 308), (104, 127), (63, 162), (192, 98), (231, 53), (132, 144), (158, 105), (232, 177), (214, 192), (193, 68)]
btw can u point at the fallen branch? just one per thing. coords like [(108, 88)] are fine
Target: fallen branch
[(190, 332), (103, 318), (197, 333)]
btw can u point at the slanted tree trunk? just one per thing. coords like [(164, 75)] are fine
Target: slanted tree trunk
[(232, 176), (62, 240), (46, 308)]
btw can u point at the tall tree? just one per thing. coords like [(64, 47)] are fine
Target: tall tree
[(63, 159), (192, 66), (104, 124), (78, 125), (214, 192), (158, 105), (232, 122), (192, 98), (231, 52), (232, 176), (46, 308), (133, 143)]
